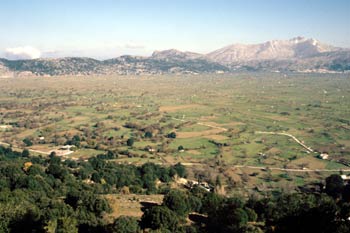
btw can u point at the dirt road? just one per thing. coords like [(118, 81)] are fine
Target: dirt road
[(288, 135)]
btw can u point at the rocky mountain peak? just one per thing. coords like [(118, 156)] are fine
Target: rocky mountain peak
[(298, 47)]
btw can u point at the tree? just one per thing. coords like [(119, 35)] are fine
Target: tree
[(229, 216), (346, 193), (211, 202), (334, 186), (83, 173), (148, 134), (52, 154), (67, 225), (130, 142), (75, 141), (27, 142), (62, 225), (160, 218), (71, 163), (180, 148), (97, 163), (306, 213), (194, 203), (55, 159), (25, 153), (111, 155), (56, 170), (149, 182), (177, 201), (96, 177), (125, 224), (180, 170), (171, 135), (164, 175)]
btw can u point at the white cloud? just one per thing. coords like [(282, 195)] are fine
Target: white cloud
[(25, 52)]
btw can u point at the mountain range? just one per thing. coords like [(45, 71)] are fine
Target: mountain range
[(295, 55)]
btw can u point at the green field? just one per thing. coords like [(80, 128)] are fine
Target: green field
[(215, 118)]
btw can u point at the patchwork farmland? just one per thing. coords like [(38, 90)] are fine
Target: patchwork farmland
[(213, 124)]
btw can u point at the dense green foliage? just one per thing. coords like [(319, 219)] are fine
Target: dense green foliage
[(284, 213), (45, 194), (160, 217), (130, 142), (125, 224), (172, 135)]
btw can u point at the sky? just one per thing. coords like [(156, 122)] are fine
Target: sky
[(109, 28)]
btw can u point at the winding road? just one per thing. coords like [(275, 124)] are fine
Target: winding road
[(276, 168), (243, 166), (309, 149), (292, 169), (288, 135)]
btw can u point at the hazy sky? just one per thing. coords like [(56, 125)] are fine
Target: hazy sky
[(109, 28)]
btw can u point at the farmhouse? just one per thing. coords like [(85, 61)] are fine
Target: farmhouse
[(324, 156), (150, 149), (345, 177)]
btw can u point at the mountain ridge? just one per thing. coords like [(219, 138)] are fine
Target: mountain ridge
[(298, 47), (298, 54)]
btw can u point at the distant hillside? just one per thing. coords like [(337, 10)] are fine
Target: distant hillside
[(60, 66), (295, 55), (174, 54), (121, 65), (335, 61), (298, 47)]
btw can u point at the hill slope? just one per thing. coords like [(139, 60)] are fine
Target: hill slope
[(298, 47)]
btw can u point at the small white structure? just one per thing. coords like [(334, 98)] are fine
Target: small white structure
[(5, 127), (324, 156), (345, 177), (150, 149), (66, 147)]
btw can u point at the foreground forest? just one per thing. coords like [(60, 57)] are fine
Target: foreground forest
[(40, 194)]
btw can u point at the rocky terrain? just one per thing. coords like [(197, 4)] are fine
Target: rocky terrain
[(296, 48), (295, 55)]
